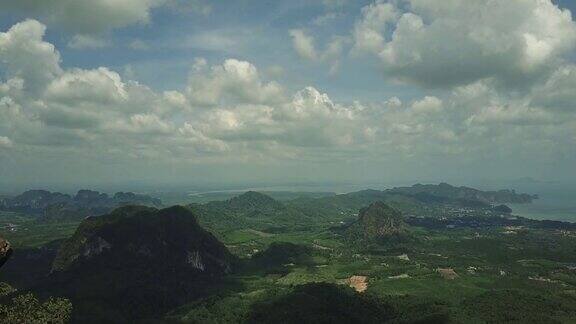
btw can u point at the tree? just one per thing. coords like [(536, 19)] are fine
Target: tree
[(27, 308)]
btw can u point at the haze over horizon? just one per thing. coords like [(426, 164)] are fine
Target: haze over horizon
[(174, 92)]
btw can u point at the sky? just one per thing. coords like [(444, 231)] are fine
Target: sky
[(97, 92)]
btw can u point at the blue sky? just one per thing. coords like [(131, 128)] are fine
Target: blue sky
[(258, 29), (284, 91)]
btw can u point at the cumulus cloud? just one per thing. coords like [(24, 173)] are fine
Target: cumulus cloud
[(97, 86), (25, 55), (310, 118), (558, 92), (427, 104), (80, 42), (460, 42), (227, 108), (87, 16), (305, 47), (230, 112), (370, 31), (304, 44), (233, 81)]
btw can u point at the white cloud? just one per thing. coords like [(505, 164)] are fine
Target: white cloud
[(5, 142), (370, 31), (80, 42), (229, 112), (305, 46), (145, 123), (450, 44), (233, 81), (87, 16), (558, 92), (25, 55), (518, 115), (100, 86), (428, 105)]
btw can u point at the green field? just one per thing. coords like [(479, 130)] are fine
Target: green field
[(490, 264), (465, 274), (30, 233)]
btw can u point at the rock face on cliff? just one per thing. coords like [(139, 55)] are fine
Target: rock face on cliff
[(377, 221), (5, 251), (140, 261), (380, 220), (162, 239)]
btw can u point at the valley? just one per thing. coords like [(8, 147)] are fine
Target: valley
[(363, 257)]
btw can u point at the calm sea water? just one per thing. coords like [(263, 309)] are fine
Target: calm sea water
[(557, 202)]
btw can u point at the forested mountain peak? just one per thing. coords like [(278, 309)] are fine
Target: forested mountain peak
[(254, 200)]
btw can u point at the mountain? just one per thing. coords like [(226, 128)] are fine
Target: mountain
[(55, 206), (377, 221), (258, 211), (252, 201), (137, 262), (5, 251), (162, 239), (249, 210), (444, 190), (345, 207), (33, 201)]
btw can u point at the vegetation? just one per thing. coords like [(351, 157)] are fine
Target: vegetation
[(26, 308), (320, 303), (428, 260), (377, 223)]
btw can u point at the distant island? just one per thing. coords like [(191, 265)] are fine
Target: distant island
[(445, 190)]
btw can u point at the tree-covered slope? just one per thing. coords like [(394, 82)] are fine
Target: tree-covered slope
[(137, 262)]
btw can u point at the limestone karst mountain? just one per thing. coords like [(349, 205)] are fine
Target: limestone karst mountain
[(377, 221), (380, 220), (249, 210), (254, 201), (164, 239), (139, 261), (55, 206)]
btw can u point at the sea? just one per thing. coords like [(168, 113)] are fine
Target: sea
[(556, 202)]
